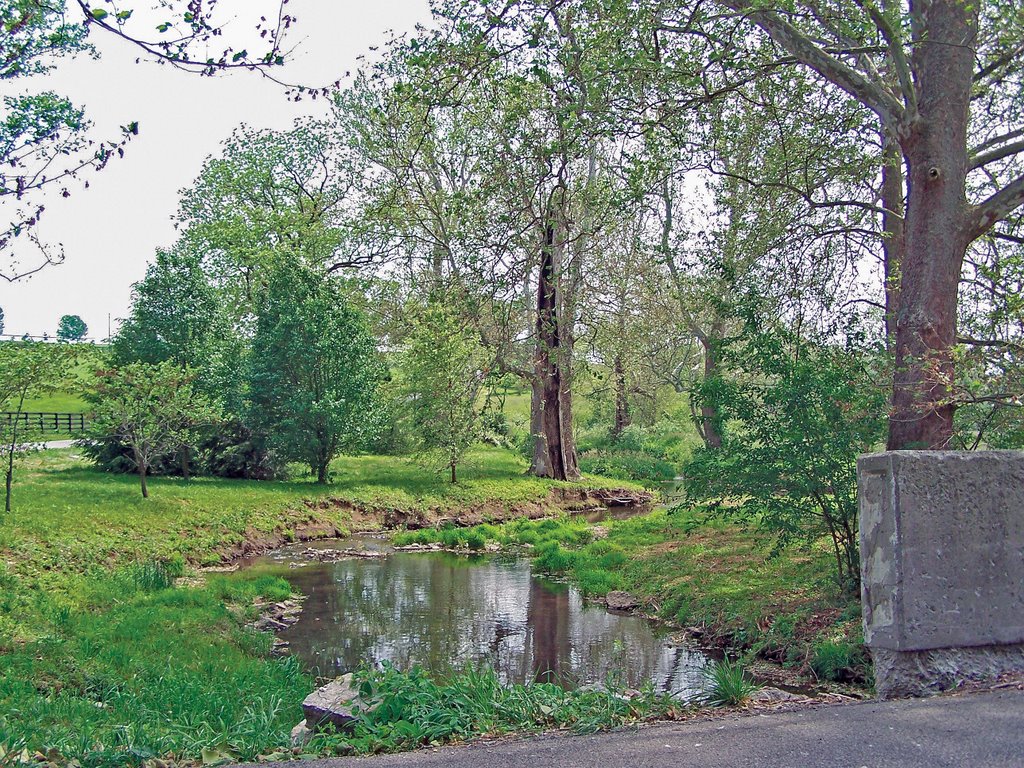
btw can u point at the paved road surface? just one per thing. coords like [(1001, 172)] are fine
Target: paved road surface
[(982, 730)]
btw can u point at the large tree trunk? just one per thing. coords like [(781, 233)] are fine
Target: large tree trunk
[(554, 449), (142, 480), (935, 148)]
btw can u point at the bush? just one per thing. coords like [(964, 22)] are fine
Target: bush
[(799, 413), (234, 450), (230, 450), (627, 465)]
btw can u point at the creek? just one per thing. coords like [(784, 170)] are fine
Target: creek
[(443, 612)]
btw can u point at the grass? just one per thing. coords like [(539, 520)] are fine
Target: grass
[(409, 710), (727, 685), (66, 512), (70, 397), (141, 671), (104, 661)]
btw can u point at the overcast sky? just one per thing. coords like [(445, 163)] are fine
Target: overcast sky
[(110, 231)]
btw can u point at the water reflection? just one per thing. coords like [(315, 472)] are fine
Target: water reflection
[(443, 612)]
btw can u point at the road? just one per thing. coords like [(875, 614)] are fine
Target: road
[(979, 730)]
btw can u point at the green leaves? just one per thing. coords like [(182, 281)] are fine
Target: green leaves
[(314, 370), (799, 414), (98, 13)]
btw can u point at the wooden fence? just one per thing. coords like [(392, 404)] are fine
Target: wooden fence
[(46, 421)]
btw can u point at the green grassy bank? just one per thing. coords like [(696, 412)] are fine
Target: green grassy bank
[(103, 660)]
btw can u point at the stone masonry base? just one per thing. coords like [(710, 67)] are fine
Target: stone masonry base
[(922, 673)]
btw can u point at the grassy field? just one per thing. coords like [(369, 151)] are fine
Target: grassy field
[(70, 397), (69, 516)]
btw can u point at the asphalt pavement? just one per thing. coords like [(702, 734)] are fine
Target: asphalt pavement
[(977, 730)]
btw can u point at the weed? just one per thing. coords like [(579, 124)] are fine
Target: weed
[(837, 660), (152, 576), (726, 684), (412, 709)]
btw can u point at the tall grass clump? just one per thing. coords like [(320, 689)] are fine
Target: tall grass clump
[(838, 661), (726, 685)]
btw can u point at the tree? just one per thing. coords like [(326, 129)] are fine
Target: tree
[(152, 408), (1, 321), (71, 328), (801, 412), (441, 372), (175, 313), (26, 369), (943, 79), (45, 141), (271, 197), (314, 370)]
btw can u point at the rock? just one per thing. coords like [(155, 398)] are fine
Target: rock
[(334, 555), (269, 624), (769, 695), (335, 703), (301, 734), (621, 601)]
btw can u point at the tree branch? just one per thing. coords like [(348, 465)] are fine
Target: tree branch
[(996, 208), (867, 92), (895, 47), (999, 153)]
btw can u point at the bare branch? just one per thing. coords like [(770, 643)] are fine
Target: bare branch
[(999, 153), (996, 208)]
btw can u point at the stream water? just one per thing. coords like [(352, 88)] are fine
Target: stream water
[(444, 611)]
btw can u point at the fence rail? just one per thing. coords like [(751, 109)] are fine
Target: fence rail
[(46, 421)]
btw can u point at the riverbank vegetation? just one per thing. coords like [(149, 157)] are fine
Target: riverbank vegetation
[(113, 650)]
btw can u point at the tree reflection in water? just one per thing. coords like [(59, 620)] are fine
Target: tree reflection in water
[(445, 612)]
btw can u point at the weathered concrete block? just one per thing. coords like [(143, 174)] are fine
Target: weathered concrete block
[(942, 563)]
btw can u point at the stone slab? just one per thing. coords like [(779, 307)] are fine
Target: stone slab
[(942, 549), (334, 704)]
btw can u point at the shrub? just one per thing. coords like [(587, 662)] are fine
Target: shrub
[(628, 465), (799, 413)]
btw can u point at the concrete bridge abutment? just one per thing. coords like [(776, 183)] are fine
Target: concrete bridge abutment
[(942, 567)]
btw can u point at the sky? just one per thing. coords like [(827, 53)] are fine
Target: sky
[(110, 232)]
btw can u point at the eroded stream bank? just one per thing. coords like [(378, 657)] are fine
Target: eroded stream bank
[(445, 612)]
